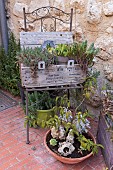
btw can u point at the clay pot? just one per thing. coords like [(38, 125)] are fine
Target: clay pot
[(61, 60), (44, 115), (64, 159)]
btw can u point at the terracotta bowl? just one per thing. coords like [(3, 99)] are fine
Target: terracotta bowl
[(64, 159)]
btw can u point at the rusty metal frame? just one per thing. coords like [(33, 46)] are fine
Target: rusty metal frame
[(46, 12), (42, 14)]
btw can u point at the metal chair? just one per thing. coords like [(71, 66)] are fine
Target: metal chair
[(44, 13)]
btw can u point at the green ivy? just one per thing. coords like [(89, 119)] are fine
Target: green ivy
[(9, 70)]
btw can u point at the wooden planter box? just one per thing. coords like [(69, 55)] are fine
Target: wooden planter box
[(104, 137), (53, 75)]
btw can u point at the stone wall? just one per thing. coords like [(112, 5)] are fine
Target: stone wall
[(93, 20)]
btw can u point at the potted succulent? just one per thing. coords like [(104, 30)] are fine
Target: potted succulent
[(40, 107), (68, 139), (62, 53), (30, 57), (77, 51), (84, 54), (38, 65)]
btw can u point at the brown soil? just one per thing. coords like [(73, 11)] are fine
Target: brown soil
[(76, 144)]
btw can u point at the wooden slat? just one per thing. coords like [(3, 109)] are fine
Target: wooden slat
[(54, 75), (37, 38)]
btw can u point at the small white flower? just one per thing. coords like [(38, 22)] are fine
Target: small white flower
[(65, 109)]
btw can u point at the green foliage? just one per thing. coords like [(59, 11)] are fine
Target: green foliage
[(9, 70), (81, 53), (32, 119), (65, 118), (53, 142), (106, 87), (60, 109), (78, 123), (79, 118), (109, 92), (90, 85), (53, 122), (88, 144), (64, 50), (74, 124), (39, 101), (89, 89), (62, 101), (84, 55), (30, 57)]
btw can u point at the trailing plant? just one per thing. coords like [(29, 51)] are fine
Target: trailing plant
[(9, 70), (90, 84), (88, 90), (88, 144)]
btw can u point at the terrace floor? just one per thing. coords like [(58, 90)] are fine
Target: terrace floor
[(15, 154)]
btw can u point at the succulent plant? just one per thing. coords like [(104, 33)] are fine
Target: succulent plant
[(65, 125), (84, 55), (30, 57)]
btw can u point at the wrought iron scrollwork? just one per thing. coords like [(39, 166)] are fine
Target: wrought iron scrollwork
[(44, 13)]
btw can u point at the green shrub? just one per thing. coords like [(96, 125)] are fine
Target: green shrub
[(9, 70)]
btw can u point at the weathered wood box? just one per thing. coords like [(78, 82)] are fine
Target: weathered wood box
[(53, 75), (104, 137), (34, 39)]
